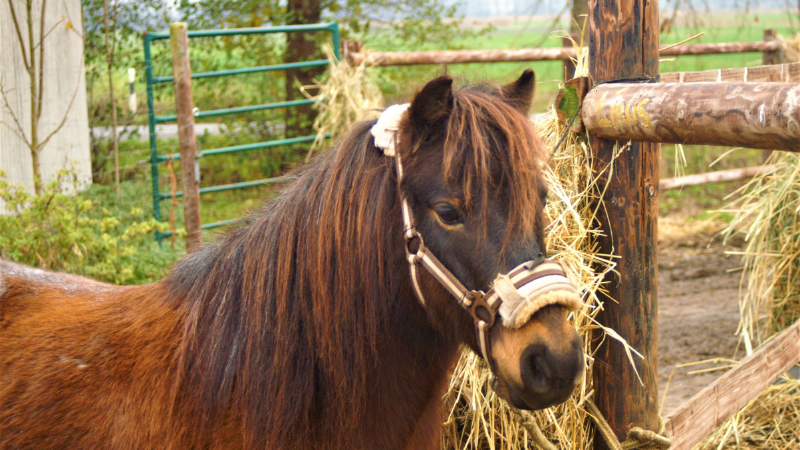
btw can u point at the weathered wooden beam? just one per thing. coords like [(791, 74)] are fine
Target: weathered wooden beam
[(719, 176), (753, 115), (780, 73), (717, 402), (623, 43), (537, 54), (723, 47), (184, 106), (463, 56)]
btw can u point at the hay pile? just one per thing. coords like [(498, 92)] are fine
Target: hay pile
[(767, 212), (791, 47), (477, 418), (347, 96)]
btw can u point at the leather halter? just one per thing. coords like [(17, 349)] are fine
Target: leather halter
[(510, 294), (483, 307)]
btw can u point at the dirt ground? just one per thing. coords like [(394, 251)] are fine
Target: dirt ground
[(698, 287)]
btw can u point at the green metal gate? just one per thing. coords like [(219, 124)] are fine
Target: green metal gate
[(153, 120)]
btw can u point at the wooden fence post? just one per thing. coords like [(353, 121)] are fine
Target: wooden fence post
[(184, 105), (623, 43), (569, 64), (770, 57)]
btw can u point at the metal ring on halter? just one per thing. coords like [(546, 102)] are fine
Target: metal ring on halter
[(412, 236)]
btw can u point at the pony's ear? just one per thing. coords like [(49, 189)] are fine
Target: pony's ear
[(520, 93), (433, 103)]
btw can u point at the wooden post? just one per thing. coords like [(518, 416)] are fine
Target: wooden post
[(569, 64), (770, 57), (184, 104), (349, 48), (623, 43)]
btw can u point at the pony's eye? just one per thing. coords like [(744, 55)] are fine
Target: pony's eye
[(447, 214)]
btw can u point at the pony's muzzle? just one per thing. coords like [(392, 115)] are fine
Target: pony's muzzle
[(536, 351), (543, 369), (550, 371)]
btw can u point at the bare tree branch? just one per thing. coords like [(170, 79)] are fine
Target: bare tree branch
[(16, 132), (41, 60), (48, 32), (69, 108), (19, 35), (19, 131)]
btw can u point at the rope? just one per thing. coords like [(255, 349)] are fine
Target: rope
[(637, 438), (526, 420)]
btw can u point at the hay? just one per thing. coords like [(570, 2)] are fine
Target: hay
[(767, 212), (347, 96), (791, 47)]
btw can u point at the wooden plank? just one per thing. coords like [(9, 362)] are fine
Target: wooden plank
[(623, 43), (779, 73), (754, 115), (717, 402), (184, 105), (719, 176)]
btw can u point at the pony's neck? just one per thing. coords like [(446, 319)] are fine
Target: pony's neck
[(304, 323), (407, 388)]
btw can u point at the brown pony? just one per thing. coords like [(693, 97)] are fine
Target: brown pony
[(300, 330)]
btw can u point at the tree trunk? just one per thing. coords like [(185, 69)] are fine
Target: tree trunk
[(301, 47), (110, 61), (33, 74)]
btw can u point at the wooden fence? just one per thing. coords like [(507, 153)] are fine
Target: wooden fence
[(768, 46), (755, 108)]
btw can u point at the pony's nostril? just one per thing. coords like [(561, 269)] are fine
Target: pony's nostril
[(537, 372), (547, 372)]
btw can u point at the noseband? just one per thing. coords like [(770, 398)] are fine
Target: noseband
[(516, 296)]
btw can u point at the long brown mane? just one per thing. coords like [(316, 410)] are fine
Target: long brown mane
[(287, 316)]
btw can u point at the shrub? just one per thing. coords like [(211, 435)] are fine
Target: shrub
[(66, 231)]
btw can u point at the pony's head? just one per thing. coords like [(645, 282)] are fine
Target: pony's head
[(471, 177)]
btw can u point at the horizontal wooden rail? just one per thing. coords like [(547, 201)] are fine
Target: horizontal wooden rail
[(537, 54), (779, 73), (753, 115), (462, 56), (724, 47), (713, 177), (717, 402)]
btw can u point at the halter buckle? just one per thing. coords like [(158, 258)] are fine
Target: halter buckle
[(479, 309)]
